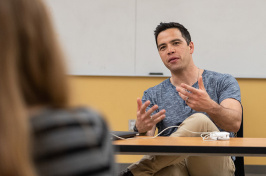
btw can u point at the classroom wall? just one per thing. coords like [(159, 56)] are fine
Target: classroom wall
[(115, 98), (83, 25)]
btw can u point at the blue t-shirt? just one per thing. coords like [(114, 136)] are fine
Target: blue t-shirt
[(218, 86)]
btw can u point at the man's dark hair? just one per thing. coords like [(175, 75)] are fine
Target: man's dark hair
[(163, 26)]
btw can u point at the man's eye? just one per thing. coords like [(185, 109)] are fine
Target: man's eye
[(175, 43), (162, 48)]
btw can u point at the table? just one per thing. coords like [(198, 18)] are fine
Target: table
[(193, 146)]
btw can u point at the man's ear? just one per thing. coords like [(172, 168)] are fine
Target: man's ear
[(191, 47)]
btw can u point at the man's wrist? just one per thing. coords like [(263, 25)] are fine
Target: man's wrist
[(136, 130), (214, 108)]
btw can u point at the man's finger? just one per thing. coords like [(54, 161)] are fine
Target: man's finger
[(151, 110), (161, 112), (184, 97), (189, 88), (139, 102), (158, 119), (144, 106), (158, 116), (201, 85), (182, 91)]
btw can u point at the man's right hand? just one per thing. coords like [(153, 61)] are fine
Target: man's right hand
[(145, 122)]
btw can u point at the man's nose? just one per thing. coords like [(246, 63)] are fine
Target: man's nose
[(171, 50)]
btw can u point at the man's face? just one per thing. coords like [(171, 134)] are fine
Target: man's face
[(174, 51)]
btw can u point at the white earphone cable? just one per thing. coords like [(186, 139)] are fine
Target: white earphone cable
[(204, 135)]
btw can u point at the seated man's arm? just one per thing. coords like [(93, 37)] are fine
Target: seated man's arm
[(227, 115)]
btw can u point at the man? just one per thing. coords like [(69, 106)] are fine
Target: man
[(195, 99)]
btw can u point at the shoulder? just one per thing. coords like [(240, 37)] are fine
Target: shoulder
[(219, 78), (64, 141), (52, 124), (158, 88), (208, 73), (53, 118), (223, 85)]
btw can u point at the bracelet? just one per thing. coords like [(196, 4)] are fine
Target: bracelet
[(136, 130), (143, 134)]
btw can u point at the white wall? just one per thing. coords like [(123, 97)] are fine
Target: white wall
[(115, 37)]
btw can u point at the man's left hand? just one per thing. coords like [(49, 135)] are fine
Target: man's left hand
[(197, 99)]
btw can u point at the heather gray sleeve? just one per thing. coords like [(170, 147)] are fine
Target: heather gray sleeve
[(228, 88)]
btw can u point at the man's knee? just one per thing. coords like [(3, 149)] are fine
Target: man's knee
[(197, 122), (198, 118), (174, 170), (201, 122)]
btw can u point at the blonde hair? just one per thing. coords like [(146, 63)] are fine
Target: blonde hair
[(31, 74)]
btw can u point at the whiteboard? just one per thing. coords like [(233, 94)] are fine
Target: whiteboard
[(115, 37), (229, 36), (98, 36)]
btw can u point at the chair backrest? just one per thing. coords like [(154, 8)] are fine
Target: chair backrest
[(239, 162)]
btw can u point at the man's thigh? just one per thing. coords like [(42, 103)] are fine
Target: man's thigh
[(194, 125), (204, 165), (179, 169), (210, 166)]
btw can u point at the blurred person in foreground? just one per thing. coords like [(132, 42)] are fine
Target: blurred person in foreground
[(40, 134)]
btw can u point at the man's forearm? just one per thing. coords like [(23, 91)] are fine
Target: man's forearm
[(228, 119)]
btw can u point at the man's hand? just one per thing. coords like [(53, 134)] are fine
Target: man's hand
[(145, 121), (197, 99), (226, 115)]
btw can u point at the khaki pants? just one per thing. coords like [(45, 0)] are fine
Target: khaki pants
[(186, 165)]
